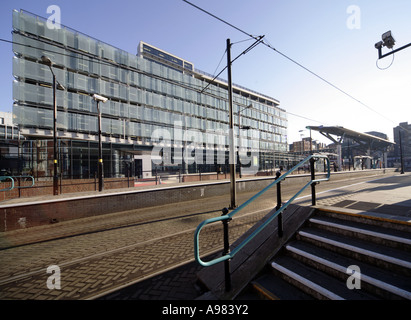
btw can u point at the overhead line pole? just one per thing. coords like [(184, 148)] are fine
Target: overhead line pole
[(231, 157)]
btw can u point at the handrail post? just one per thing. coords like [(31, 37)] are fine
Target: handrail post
[(279, 204), (227, 216), (226, 251), (313, 196)]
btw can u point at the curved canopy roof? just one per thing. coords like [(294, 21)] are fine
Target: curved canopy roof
[(371, 141)]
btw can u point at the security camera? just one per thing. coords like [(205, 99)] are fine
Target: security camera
[(388, 40), (96, 97), (379, 45)]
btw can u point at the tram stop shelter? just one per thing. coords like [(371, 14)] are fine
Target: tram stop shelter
[(365, 142)]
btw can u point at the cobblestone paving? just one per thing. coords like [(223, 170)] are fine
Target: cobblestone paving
[(148, 252), (96, 262)]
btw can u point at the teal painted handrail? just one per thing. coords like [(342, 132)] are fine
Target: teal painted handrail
[(2, 178), (25, 177), (229, 216), (13, 185)]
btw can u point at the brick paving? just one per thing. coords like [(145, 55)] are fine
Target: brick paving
[(95, 262), (150, 255), (177, 284)]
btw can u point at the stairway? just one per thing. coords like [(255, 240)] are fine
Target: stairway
[(340, 256)]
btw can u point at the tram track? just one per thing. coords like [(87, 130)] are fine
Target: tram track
[(173, 250), (101, 261)]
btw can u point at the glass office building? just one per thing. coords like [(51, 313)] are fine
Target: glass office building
[(146, 91)]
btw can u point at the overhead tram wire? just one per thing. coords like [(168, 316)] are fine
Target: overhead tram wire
[(290, 59), (225, 51), (96, 59), (102, 62), (259, 40)]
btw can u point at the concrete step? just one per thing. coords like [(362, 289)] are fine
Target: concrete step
[(365, 229), (319, 262), (314, 282), (386, 285), (391, 259), (365, 218), (270, 287)]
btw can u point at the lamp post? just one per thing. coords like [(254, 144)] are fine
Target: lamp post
[(401, 156), (389, 42), (46, 60), (239, 133), (99, 99)]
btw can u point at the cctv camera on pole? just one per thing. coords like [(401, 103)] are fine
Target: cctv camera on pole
[(389, 42)]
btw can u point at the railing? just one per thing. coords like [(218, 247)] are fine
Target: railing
[(226, 217), (13, 185), (5, 178)]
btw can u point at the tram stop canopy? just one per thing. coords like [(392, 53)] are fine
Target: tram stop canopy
[(364, 139)]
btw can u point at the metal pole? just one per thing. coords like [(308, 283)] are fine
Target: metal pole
[(239, 141), (232, 156), (401, 157), (55, 165), (380, 55), (227, 273), (100, 152), (313, 196), (279, 204), (311, 143)]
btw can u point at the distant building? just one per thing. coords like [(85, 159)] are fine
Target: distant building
[(9, 141), (303, 146), (146, 91), (402, 138), (6, 118), (8, 130)]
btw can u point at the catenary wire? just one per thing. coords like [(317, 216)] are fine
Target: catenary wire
[(102, 62), (99, 60), (267, 44)]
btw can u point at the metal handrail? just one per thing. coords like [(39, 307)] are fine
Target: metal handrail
[(13, 185), (25, 177), (225, 218), (12, 182)]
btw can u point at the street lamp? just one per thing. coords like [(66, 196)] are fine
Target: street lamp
[(239, 133), (47, 61), (99, 99), (401, 156)]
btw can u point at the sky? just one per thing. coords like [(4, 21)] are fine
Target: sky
[(345, 85)]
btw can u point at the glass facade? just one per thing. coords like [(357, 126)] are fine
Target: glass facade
[(148, 91)]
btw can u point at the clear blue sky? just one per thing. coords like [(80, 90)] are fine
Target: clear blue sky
[(313, 32)]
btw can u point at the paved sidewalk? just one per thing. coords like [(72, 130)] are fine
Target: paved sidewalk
[(389, 197), (385, 198), (100, 253), (97, 255)]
